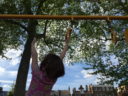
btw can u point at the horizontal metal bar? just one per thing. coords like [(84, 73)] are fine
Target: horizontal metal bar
[(62, 17)]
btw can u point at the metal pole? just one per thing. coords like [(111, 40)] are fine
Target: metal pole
[(62, 17)]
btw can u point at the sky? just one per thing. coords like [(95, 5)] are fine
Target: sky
[(74, 77)]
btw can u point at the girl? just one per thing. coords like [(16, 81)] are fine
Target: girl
[(45, 76)]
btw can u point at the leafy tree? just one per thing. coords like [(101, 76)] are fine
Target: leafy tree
[(92, 44), (100, 56), (15, 32), (11, 92)]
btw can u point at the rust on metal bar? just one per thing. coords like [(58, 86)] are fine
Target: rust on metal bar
[(61, 17)]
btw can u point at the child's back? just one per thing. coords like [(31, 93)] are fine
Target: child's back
[(40, 85)]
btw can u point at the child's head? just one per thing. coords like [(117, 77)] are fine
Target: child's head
[(53, 66)]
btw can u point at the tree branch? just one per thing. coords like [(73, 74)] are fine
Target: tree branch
[(27, 6), (39, 6), (123, 6), (104, 35), (16, 23), (45, 29), (111, 39), (39, 36)]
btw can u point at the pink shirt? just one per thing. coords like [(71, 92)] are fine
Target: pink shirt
[(40, 84)]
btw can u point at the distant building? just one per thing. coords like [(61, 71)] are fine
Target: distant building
[(76, 93), (64, 93), (54, 93), (61, 93), (122, 90), (3, 93), (95, 90)]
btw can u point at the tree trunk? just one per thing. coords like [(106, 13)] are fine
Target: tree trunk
[(23, 69), (20, 86)]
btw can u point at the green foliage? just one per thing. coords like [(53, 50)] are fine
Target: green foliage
[(9, 39), (11, 92), (93, 43)]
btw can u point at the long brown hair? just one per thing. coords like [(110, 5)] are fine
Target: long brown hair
[(53, 66)]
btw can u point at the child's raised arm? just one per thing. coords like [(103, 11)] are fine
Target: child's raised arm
[(67, 39), (34, 56)]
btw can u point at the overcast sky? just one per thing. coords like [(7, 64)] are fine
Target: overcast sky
[(74, 77)]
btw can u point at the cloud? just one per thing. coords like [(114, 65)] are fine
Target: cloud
[(12, 73), (8, 68), (15, 61), (4, 62), (7, 74), (6, 81), (12, 53), (86, 74), (74, 77), (6, 87), (2, 70)]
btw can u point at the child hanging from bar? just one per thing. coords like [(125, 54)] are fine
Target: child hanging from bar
[(51, 68)]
